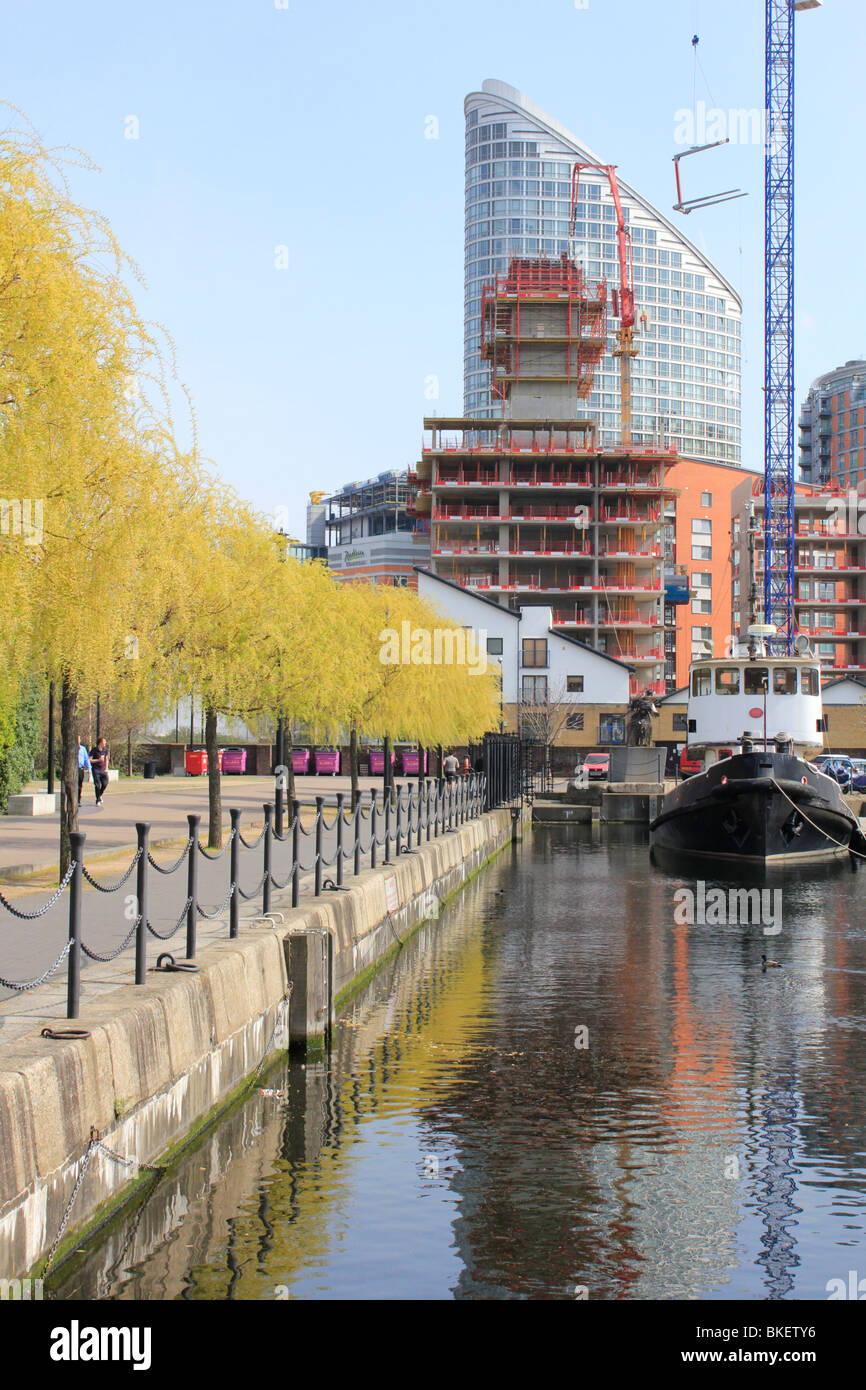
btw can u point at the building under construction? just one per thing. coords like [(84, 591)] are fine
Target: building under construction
[(527, 506)]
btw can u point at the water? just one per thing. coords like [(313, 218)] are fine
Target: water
[(707, 1141)]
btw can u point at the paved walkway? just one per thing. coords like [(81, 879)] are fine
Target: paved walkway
[(27, 948), (29, 843)]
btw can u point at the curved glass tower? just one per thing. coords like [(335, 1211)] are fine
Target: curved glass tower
[(686, 380)]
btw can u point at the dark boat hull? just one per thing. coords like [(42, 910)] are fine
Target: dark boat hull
[(763, 808)]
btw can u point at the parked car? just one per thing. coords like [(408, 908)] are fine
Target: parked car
[(689, 765), (596, 766), (843, 770)]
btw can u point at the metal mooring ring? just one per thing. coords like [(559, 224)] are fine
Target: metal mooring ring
[(176, 965)]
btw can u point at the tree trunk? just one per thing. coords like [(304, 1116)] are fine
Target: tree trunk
[(214, 790), (129, 752), (69, 763), (421, 773), (353, 766)]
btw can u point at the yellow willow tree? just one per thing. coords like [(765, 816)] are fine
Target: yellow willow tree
[(415, 675), (254, 634), (312, 642), (75, 441)]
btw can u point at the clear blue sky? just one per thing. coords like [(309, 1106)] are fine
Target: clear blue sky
[(304, 127)]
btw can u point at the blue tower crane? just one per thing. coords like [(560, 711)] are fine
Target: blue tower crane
[(779, 319)]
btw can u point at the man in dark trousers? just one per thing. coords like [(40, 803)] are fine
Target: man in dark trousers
[(99, 763)]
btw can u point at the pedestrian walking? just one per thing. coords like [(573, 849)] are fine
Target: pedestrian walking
[(99, 764), (451, 767), (84, 767)]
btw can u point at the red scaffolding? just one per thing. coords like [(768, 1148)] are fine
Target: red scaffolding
[(556, 281)]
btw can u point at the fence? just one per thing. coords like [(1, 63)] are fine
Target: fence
[(391, 825)]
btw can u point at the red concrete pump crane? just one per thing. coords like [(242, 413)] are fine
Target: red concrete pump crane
[(622, 304)]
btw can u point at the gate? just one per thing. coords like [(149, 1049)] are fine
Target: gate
[(536, 768)]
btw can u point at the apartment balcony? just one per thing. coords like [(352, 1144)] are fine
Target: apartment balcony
[(537, 582), (639, 687), (832, 634), (564, 617), (635, 621), (469, 511), (831, 602), (830, 571), (638, 555), (563, 552), (624, 515), (550, 515)]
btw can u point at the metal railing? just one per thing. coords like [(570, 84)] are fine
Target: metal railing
[(391, 824)]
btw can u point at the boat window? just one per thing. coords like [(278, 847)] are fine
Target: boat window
[(702, 681), (810, 682), (784, 680), (755, 680), (728, 680)]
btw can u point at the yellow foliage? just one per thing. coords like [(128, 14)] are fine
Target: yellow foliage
[(146, 577)]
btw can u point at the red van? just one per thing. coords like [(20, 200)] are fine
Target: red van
[(689, 765)]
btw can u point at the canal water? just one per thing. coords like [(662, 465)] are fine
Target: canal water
[(578, 1082)]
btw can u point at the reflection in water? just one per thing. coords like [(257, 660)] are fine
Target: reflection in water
[(554, 1087)]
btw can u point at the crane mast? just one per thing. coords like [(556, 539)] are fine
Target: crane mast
[(779, 323), (779, 319)]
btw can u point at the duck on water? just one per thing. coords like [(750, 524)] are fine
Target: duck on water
[(754, 719)]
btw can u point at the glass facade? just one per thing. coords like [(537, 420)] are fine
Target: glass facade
[(686, 380)]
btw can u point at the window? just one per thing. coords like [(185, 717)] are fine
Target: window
[(810, 681), (706, 499), (701, 526), (784, 680), (701, 579), (534, 690), (574, 685), (755, 680), (728, 680), (702, 552), (494, 646), (702, 679), (574, 721), (611, 728), (680, 724), (702, 605), (534, 651)]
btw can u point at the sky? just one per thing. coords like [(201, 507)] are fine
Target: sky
[(268, 164)]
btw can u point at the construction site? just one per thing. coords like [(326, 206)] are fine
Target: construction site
[(530, 509)]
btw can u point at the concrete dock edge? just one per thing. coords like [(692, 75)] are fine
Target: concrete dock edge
[(162, 1056)]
